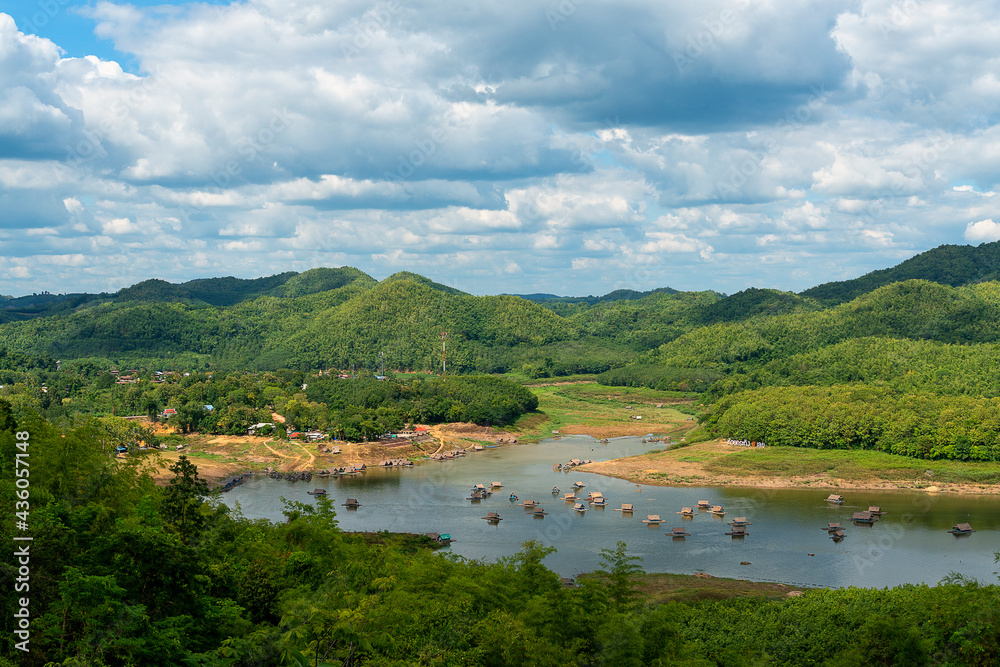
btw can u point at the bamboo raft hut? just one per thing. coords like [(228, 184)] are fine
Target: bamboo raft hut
[(530, 503), (580, 507), (476, 495), (594, 496), (961, 529), (317, 492), (685, 511), (718, 510), (864, 517), (479, 487), (678, 533), (555, 490), (570, 497), (352, 503), (600, 501), (653, 520), (876, 510), (738, 531), (538, 512), (626, 508), (704, 504), (836, 535), (493, 517), (739, 521), (578, 485), (834, 498), (830, 527), (496, 485)]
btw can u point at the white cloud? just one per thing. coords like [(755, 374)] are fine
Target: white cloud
[(983, 231)]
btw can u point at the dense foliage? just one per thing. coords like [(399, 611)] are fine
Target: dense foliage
[(127, 573)]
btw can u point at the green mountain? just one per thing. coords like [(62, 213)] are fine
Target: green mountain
[(948, 265)]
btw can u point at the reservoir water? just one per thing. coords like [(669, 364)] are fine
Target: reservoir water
[(785, 542)]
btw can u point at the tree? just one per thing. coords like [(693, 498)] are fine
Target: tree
[(183, 500), (618, 576)]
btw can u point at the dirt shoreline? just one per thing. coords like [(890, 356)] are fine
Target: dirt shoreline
[(671, 469)]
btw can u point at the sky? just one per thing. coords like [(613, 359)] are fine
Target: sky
[(571, 147)]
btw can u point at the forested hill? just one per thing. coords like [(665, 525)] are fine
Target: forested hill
[(952, 265)]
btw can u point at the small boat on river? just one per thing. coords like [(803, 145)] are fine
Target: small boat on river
[(834, 498), (555, 490), (513, 498), (961, 529)]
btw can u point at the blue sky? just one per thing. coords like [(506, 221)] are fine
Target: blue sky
[(571, 146)]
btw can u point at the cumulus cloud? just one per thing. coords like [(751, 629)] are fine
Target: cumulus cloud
[(983, 231)]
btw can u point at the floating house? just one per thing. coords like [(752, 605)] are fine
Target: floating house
[(626, 508), (555, 490), (653, 519), (477, 495), (738, 531), (530, 503), (580, 507), (961, 529), (704, 504), (570, 497), (539, 512), (836, 535), (834, 498), (864, 517), (317, 492), (352, 503), (479, 487), (679, 532), (578, 485), (718, 510), (496, 485), (876, 510), (493, 517), (830, 527), (685, 511), (739, 521), (600, 501), (594, 496)]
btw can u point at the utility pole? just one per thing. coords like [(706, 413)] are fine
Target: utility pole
[(444, 365), (381, 358)]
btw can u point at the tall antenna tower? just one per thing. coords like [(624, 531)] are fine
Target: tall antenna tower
[(444, 365)]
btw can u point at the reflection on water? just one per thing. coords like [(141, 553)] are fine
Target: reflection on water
[(784, 543)]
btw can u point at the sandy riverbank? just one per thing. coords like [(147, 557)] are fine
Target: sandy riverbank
[(715, 463)]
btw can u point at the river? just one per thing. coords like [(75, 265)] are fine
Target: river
[(786, 543)]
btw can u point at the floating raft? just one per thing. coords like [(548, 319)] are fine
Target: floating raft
[(317, 492), (653, 519), (679, 532), (830, 527), (496, 485), (738, 531), (685, 511), (493, 517), (530, 503), (538, 511), (555, 490), (738, 522), (704, 504), (836, 535), (477, 495), (834, 498), (626, 508), (864, 517), (352, 502), (601, 501), (961, 529), (718, 510), (580, 507), (876, 510), (570, 497), (578, 485)]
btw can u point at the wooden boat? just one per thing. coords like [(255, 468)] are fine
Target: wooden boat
[(626, 508), (863, 517), (961, 529), (718, 510), (678, 532), (830, 527), (352, 503), (834, 498), (555, 490), (580, 507), (317, 492), (738, 531), (653, 519), (836, 535), (739, 521), (512, 498), (493, 517), (685, 511)]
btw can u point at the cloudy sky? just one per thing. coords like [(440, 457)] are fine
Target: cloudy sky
[(565, 146)]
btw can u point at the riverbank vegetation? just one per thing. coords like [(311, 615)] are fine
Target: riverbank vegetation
[(125, 572)]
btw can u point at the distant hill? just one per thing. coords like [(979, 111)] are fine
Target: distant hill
[(414, 278), (952, 265), (617, 295)]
